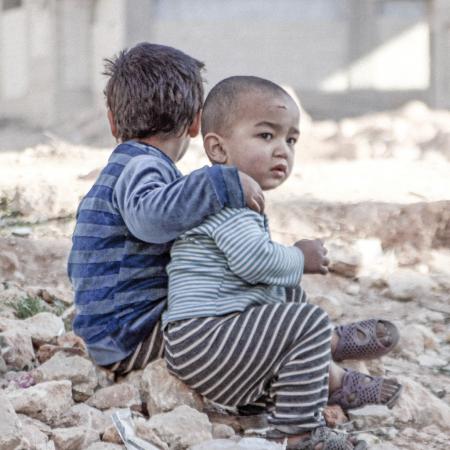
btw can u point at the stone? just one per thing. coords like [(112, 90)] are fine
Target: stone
[(181, 428), (105, 446), (10, 426), (9, 263), (86, 416), (74, 438), (134, 378), (344, 260), (147, 433), (222, 431), (334, 415), (110, 434), (17, 349), (33, 434), (371, 416), (406, 284), (331, 305), (164, 392), (420, 407), (244, 444), (71, 340), (44, 327), (45, 401), (21, 231), (414, 340), (80, 371), (353, 289), (431, 360), (121, 395)]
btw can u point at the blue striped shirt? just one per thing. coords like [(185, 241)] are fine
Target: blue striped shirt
[(227, 264), (121, 244)]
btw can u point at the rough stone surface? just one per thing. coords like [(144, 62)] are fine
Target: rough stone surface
[(34, 435), (10, 426), (415, 339), (406, 284), (243, 444), (417, 405), (371, 416), (17, 349), (74, 438), (344, 260), (86, 416), (334, 415), (105, 446), (222, 431), (80, 371), (146, 432), (110, 434), (182, 427), (122, 395), (44, 327), (45, 401), (164, 392)]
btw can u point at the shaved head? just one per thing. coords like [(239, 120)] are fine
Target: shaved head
[(226, 100)]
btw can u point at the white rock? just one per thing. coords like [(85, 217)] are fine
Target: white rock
[(164, 392), (121, 395), (34, 435), (406, 284), (111, 434), (415, 339), (44, 327), (371, 416), (86, 416), (17, 349), (243, 444), (344, 260), (80, 371), (181, 428), (105, 446), (45, 401), (431, 360), (74, 438), (420, 407), (331, 305), (9, 263), (148, 434), (222, 431), (10, 426), (353, 289)]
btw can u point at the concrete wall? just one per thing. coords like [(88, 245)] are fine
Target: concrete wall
[(343, 57)]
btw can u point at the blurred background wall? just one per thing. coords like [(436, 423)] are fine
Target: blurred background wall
[(342, 57)]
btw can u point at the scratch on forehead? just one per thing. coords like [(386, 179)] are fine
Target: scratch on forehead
[(281, 107)]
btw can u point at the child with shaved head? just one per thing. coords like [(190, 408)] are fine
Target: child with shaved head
[(237, 328)]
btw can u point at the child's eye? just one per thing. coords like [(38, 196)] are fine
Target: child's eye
[(291, 141), (266, 136)]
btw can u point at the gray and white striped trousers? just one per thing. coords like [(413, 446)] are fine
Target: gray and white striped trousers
[(275, 356)]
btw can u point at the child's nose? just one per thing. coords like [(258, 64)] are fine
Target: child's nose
[(282, 150)]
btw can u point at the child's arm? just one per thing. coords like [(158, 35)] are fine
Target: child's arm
[(252, 255), (157, 206)]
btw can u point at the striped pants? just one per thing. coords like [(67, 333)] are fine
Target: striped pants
[(274, 356)]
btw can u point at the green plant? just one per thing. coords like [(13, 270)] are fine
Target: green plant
[(29, 306)]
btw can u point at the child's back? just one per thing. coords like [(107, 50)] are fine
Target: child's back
[(140, 203)]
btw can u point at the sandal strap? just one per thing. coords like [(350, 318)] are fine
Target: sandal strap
[(359, 340)]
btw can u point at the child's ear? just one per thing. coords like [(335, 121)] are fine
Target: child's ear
[(194, 128), (214, 148), (112, 124)]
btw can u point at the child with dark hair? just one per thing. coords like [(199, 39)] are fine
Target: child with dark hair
[(140, 203), (237, 328)]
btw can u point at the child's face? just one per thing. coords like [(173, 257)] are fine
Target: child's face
[(262, 140)]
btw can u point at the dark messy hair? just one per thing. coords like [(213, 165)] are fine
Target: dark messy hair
[(153, 89), (223, 102)]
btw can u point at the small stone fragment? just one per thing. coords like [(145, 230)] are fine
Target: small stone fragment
[(182, 427), (110, 434), (222, 431), (17, 349), (74, 438), (45, 401), (122, 395), (406, 284), (371, 416), (10, 426), (164, 392)]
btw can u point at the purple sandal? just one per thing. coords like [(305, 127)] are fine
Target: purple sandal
[(359, 340), (359, 389)]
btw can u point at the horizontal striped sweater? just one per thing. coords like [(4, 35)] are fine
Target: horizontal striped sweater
[(227, 264)]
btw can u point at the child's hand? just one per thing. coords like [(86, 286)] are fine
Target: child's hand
[(253, 194), (315, 256)]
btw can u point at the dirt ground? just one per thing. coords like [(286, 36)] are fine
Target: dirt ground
[(382, 208)]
